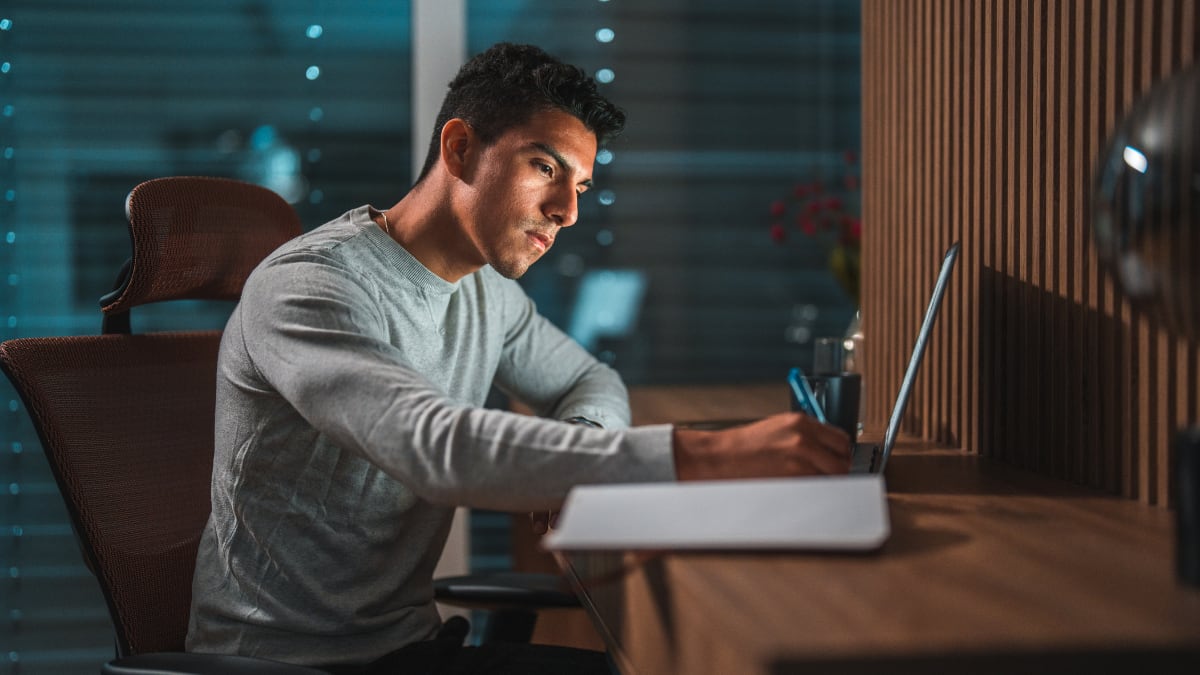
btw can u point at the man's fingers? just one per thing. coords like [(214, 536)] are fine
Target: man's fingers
[(829, 446), (829, 436)]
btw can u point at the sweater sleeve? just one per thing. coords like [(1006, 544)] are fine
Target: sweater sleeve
[(546, 369), (316, 337)]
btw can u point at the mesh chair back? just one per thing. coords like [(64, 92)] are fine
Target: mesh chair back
[(197, 237), (126, 420)]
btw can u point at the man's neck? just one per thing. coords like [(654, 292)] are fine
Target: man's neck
[(424, 224)]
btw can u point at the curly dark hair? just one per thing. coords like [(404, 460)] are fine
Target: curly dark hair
[(504, 86)]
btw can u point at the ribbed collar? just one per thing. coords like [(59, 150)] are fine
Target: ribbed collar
[(399, 256)]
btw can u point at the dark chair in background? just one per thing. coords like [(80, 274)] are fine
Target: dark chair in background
[(126, 421)]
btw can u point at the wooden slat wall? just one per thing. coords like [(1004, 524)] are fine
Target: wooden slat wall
[(982, 123)]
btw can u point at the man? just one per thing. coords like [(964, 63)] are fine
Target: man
[(352, 373)]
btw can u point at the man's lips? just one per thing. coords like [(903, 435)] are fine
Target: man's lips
[(542, 241)]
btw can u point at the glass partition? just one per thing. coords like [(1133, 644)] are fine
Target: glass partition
[(310, 98), (732, 194)]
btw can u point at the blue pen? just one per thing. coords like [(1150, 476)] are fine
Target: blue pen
[(804, 395)]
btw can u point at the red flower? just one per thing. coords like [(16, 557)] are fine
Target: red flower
[(828, 216), (855, 229)]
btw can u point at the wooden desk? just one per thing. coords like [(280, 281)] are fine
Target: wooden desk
[(988, 569)]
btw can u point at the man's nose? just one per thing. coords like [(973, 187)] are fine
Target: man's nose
[(564, 208)]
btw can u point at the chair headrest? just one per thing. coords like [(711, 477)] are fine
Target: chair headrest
[(197, 238)]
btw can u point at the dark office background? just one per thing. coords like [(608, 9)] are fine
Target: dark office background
[(730, 105)]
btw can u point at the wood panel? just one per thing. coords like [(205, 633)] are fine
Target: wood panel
[(982, 123)]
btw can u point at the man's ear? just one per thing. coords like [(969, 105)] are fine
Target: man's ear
[(458, 139)]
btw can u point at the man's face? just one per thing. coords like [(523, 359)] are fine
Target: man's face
[(525, 188)]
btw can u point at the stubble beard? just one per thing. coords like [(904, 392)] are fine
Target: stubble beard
[(511, 269), (515, 266)]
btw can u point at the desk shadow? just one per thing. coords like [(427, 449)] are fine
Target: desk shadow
[(660, 593), (1169, 661), (952, 472), (909, 538)]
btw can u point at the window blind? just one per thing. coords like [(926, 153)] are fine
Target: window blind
[(308, 97), (730, 106)]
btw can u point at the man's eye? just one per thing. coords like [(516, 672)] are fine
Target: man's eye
[(545, 168)]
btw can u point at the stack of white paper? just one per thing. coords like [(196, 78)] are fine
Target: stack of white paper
[(828, 513)]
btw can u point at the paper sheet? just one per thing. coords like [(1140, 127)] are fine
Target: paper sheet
[(828, 513)]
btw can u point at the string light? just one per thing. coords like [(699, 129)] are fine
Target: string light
[(316, 113), (606, 197)]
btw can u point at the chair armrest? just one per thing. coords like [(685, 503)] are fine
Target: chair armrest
[(505, 590), (180, 663)]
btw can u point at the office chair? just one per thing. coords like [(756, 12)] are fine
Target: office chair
[(126, 421)]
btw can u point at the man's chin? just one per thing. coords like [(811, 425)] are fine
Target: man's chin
[(511, 270)]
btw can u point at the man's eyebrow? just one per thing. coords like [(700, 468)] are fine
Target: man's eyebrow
[(562, 161)]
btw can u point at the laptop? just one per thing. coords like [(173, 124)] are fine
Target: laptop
[(870, 457), (873, 457)]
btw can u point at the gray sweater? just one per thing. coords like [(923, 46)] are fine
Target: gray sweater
[(349, 426)]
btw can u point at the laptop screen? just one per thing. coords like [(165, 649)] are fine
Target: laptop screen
[(914, 363)]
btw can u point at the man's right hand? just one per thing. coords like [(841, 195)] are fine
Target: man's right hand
[(790, 444)]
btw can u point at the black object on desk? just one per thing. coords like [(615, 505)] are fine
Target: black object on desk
[(838, 396)]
